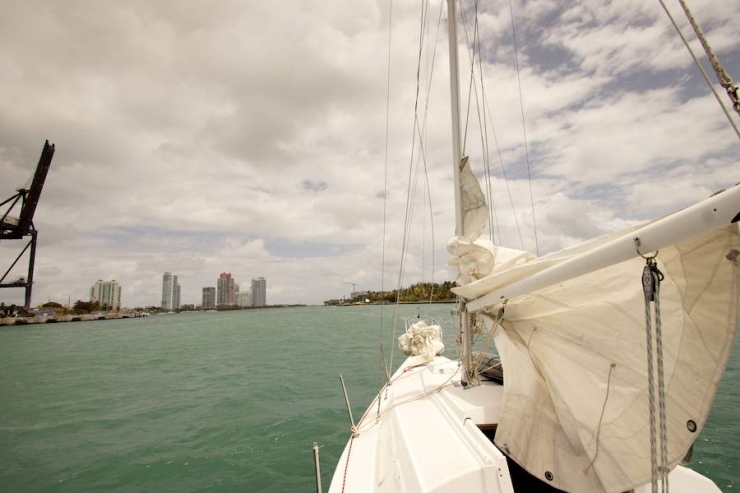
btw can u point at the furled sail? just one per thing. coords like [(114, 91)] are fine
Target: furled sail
[(422, 342), (475, 209), (474, 258), (575, 409)]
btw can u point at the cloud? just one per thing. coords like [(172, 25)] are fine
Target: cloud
[(251, 137)]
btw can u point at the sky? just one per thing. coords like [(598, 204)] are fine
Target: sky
[(267, 139)]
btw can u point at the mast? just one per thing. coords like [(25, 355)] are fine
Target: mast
[(456, 160), (455, 112)]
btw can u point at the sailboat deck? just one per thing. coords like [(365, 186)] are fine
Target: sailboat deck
[(433, 436), (431, 426)]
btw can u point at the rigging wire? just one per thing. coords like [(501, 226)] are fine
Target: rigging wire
[(503, 172), (483, 124), (723, 77), (493, 224), (470, 88), (431, 226), (524, 127), (487, 110), (422, 145), (423, 222), (710, 54), (419, 131), (409, 193), (473, 48), (428, 195), (386, 370), (430, 68)]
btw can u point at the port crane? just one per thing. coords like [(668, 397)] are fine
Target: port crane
[(21, 227)]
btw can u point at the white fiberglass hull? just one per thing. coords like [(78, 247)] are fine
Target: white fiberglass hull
[(425, 444), (429, 438)]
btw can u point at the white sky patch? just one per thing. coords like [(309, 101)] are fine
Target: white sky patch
[(249, 138)]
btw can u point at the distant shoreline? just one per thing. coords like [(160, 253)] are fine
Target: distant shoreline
[(53, 319), (427, 302)]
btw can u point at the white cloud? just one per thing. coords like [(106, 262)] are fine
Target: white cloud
[(249, 137)]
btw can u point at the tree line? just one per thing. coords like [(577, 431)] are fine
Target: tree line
[(79, 308), (422, 292)]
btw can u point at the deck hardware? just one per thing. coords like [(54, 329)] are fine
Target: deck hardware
[(349, 408), (318, 467)]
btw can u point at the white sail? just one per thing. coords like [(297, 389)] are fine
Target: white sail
[(422, 342), (558, 345), (475, 209), (473, 258)]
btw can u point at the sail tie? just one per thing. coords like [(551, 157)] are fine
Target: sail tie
[(651, 278)]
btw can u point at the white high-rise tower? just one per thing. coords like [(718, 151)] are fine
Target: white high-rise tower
[(107, 293), (170, 292), (259, 292)]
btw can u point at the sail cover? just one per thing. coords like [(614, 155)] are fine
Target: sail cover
[(575, 410)]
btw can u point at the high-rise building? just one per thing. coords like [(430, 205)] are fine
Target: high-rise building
[(244, 298), (225, 290), (170, 292), (107, 293), (259, 292), (209, 298)]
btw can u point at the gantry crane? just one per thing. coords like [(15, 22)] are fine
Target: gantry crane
[(17, 228)]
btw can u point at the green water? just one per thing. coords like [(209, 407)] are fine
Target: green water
[(218, 401)]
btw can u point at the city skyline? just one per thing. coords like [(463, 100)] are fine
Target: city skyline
[(226, 293), (109, 293)]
